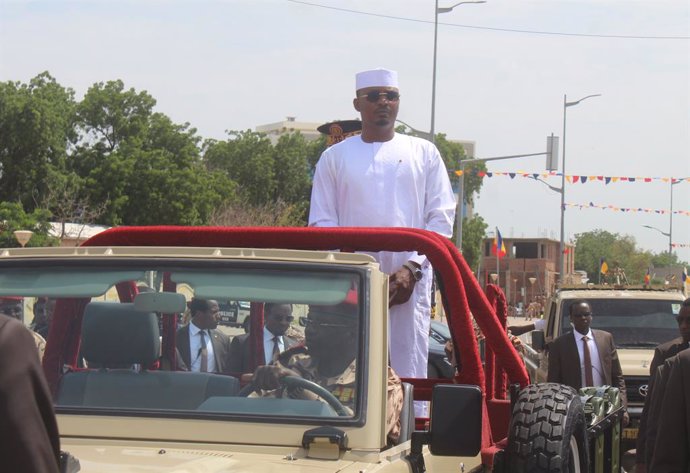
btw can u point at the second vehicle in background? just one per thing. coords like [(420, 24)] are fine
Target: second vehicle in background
[(234, 314)]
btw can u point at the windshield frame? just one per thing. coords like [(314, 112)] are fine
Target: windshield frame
[(361, 272)]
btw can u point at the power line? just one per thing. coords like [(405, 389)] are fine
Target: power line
[(487, 28)]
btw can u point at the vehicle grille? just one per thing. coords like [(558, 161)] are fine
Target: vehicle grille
[(632, 388)]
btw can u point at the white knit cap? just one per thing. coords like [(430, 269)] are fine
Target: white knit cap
[(376, 78)]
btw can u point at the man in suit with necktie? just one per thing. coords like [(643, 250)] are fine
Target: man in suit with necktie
[(277, 320), (586, 357), (201, 347)]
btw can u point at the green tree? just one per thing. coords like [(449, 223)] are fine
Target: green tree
[(473, 231), (138, 165), (247, 158), (110, 115), (666, 259), (291, 169), (113, 124), (13, 217), (619, 252), (453, 153), (36, 128)]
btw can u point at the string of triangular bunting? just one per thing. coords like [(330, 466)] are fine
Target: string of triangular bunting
[(592, 205), (571, 178)]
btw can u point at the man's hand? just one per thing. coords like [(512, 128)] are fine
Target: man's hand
[(400, 286), (268, 377)]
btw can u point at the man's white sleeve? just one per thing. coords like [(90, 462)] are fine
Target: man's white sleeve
[(439, 206), (322, 210)]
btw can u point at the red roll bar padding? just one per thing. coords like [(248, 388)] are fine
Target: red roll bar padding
[(495, 374)]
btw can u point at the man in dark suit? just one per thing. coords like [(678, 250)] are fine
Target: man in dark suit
[(277, 320), (28, 429), (671, 453), (661, 354), (200, 346), (585, 357)]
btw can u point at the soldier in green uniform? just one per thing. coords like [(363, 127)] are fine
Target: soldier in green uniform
[(330, 360)]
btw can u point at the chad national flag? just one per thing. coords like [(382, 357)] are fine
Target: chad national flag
[(498, 248), (603, 267)]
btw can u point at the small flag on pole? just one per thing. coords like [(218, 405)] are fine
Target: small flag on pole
[(498, 248), (603, 267)]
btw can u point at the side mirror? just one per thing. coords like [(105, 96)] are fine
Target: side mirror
[(455, 428), (538, 341), (302, 321)]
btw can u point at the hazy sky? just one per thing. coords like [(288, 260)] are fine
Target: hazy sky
[(236, 64)]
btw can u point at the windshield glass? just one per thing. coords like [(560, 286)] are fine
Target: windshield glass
[(634, 323), (118, 316)]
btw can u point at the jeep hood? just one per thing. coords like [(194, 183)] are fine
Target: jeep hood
[(125, 459)]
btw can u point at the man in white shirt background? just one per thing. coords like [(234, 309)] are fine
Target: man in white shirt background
[(384, 179), (200, 345)]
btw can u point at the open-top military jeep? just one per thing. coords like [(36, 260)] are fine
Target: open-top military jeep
[(124, 405)]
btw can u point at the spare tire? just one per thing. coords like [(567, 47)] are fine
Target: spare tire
[(547, 431)]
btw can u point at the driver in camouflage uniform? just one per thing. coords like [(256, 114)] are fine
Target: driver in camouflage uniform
[(329, 360)]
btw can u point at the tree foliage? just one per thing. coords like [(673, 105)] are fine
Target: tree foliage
[(36, 128), (112, 159), (13, 218), (473, 231), (618, 252)]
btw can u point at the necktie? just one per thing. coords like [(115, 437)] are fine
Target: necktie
[(204, 353), (589, 377), (276, 348)]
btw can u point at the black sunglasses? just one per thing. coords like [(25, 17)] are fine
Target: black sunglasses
[(375, 95)]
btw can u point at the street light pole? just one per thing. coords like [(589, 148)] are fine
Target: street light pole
[(461, 189), (670, 223), (561, 247), (438, 10), (433, 75)]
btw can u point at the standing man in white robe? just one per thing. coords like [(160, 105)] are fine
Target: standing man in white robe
[(384, 179)]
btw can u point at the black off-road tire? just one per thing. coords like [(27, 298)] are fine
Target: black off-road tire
[(547, 431)]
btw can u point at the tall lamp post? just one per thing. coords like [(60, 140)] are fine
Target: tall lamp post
[(438, 10), (561, 247), (666, 234), (674, 181)]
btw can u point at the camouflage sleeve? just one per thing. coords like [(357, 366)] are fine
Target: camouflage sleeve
[(394, 405)]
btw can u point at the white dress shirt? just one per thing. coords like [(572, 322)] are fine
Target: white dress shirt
[(597, 371), (195, 349), (268, 345), (398, 183)]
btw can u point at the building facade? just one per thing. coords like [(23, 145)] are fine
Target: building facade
[(529, 270), (290, 125)]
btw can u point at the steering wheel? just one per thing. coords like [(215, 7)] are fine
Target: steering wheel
[(297, 382), (323, 393)]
